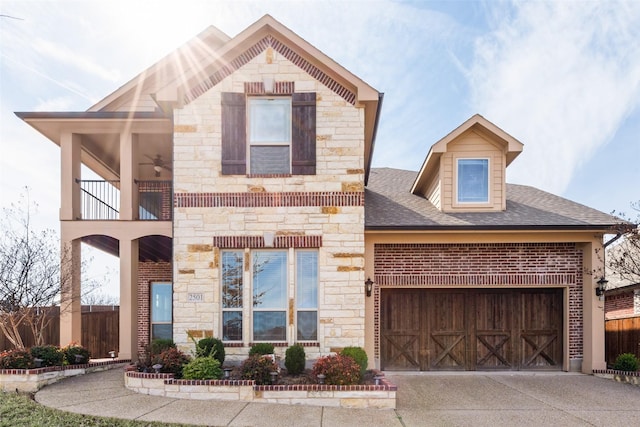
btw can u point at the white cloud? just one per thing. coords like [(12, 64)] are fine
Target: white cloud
[(561, 77)]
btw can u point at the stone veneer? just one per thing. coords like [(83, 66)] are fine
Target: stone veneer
[(381, 396), (209, 204)]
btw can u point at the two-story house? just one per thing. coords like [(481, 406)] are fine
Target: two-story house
[(236, 188)]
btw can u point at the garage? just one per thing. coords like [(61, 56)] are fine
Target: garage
[(471, 329)]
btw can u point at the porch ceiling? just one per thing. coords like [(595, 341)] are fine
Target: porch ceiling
[(151, 248)]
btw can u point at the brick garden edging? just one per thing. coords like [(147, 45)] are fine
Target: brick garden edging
[(32, 380), (632, 378), (381, 396)]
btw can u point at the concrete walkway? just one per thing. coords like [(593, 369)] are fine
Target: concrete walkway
[(424, 399)]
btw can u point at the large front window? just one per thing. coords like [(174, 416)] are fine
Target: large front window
[(473, 180), (280, 301), (270, 135)]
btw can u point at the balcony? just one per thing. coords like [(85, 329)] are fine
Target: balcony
[(100, 200)]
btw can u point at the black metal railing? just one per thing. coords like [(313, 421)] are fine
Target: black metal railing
[(154, 199), (99, 200)]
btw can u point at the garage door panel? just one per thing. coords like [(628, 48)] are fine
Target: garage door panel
[(400, 330), (493, 330), (541, 330), (446, 339)]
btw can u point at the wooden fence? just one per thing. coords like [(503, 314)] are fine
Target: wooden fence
[(622, 336), (100, 331)]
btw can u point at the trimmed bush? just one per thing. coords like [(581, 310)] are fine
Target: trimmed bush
[(71, 351), (294, 359), (172, 361), (359, 355), (159, 345), (16, 359), (338, 370), (261, 348), (202, 368), (258, 368), (211, 347), (626, 362), (49, 354)]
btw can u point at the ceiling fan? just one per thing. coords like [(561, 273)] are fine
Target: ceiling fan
[(158, 164)]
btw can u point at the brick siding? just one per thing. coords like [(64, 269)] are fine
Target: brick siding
[(148, 272), (620, 305), (469, 265)]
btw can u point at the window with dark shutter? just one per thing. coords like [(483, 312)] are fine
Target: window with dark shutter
[(303, 118), (234, 139)]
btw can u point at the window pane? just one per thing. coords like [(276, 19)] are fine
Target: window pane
[(163, 331), (232, 270), (473, 180), (307, 279), (307, 325), (161, 302), (270, 120), (269, 279), (232, 326), (269, 159), (269, 326)]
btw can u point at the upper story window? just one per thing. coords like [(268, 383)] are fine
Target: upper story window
[(269, 135), (473, 181)]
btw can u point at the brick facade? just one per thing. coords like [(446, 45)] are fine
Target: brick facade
[(619, 305), (148, 272), (488, 265)]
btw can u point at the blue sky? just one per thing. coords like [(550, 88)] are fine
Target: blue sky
[(562, 77)]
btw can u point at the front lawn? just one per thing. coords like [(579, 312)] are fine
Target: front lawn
[(20, 410)]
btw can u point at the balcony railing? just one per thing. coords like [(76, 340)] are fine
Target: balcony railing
[(100, 200)]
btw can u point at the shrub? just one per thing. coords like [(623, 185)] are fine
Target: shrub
[(16, 359), (72, 350), (172, 361), (211, 347), (49, 354), (261, 348), (294, 359), (159, 345), (338, 370), (359, 355), (202, 368), (626, 362), (258, 368)]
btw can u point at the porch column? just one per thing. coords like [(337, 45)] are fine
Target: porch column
[(593, 309), (128, 299), (70, 171), (70, 306), (128, 175)]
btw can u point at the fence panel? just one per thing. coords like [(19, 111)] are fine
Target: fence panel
[(622, 336), (100, 331)]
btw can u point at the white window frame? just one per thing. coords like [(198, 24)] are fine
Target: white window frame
[(287, 142), (298, 300), (283, 309), (152, 285), (457, 200), (240, 309)]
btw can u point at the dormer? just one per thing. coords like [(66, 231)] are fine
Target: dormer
[(466, 170)]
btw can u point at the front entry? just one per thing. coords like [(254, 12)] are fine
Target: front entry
[(471, 329)]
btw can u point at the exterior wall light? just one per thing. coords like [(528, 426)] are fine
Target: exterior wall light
[(368, 286), (602, 286)]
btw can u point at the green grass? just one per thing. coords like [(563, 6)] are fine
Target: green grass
[(20, 410)]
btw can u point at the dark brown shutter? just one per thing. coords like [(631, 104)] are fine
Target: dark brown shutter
[(234, 129), (303, 118)]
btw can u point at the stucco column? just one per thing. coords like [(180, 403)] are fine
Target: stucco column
[(369, 306), (70, 171), (70, 306), (593, 309), (128, 175), (128, 299)]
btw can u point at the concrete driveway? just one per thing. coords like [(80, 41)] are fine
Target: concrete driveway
[(424, 399), (514, 399)]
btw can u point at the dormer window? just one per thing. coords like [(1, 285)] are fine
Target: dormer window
[(473, 181), (269, 135)]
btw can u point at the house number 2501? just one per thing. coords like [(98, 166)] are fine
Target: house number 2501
[(195, 297)]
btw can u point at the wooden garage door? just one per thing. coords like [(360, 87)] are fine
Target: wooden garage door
[(471, 329)]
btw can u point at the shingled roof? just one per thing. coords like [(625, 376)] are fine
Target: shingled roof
[(390, 205)]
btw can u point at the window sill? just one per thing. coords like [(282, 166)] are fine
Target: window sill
[(270, 175)]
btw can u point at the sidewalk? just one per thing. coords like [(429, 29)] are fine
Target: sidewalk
[(424, 399)]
